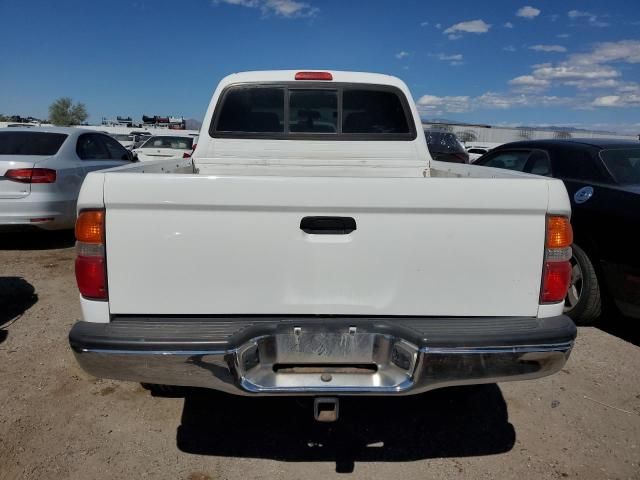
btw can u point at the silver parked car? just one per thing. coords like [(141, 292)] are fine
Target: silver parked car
[(42, 169)]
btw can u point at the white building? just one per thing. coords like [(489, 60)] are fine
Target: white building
[(494, 136)]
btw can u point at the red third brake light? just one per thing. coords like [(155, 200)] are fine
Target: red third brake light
[(31, 175), (314, 76)]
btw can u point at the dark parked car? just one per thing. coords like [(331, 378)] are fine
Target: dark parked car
[(445, 146), (603, 181)]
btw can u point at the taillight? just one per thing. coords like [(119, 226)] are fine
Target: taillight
[(556, 273), (31, 175), (189, 155), (91, 269), (314, 76)]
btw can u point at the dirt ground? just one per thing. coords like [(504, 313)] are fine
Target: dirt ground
[(58, 422)]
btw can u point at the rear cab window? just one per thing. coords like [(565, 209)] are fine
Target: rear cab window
[(330, 112), (313, 111), (252, 110), (30, 143)]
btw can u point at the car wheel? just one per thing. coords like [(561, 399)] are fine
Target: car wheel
[(583, 302)]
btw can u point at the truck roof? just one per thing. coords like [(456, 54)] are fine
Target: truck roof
[(261, 76)]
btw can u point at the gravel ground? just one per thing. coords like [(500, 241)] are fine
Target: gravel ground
[(58, 422)]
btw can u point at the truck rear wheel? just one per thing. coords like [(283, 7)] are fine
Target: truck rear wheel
[(583, 302)]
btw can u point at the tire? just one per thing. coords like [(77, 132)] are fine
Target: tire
[(163, 390), (583, 302)]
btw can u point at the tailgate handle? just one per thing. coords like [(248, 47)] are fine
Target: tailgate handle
[(328, 225)]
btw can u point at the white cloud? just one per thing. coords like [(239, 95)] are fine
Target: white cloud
[(494, 100), (529, 84), (509, 48), (282, 8), (627, 51), (632, 100), (563, 35), (586, 84), (567, 71), (424, 24), (607, 101), (402, 54), (578, 14), (588, 72), (453, 36), (529, 80), (548, 48), (453, 104), (508, 25), (593, 69), (454, 60), (630, 87), (528, 12), (434, 105), (472, 26), (442, 56), (591, 18), (438, 26), (593, 74)]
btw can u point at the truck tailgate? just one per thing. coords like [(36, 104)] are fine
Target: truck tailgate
[(202, 245)]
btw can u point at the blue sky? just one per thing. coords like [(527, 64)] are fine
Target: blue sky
[(573, 63)]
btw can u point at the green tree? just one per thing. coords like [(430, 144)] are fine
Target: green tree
[(64, 112), (4, 118)]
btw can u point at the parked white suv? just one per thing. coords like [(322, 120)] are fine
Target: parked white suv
[(312, 247)]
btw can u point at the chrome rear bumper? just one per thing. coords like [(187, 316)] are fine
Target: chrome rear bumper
[(323, 356)]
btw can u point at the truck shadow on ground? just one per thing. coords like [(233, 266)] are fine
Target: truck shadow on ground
[(451, 422), (625, 328), (16, 297), (36, 239)]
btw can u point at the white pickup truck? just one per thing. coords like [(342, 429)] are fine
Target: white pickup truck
[(312, 247)]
